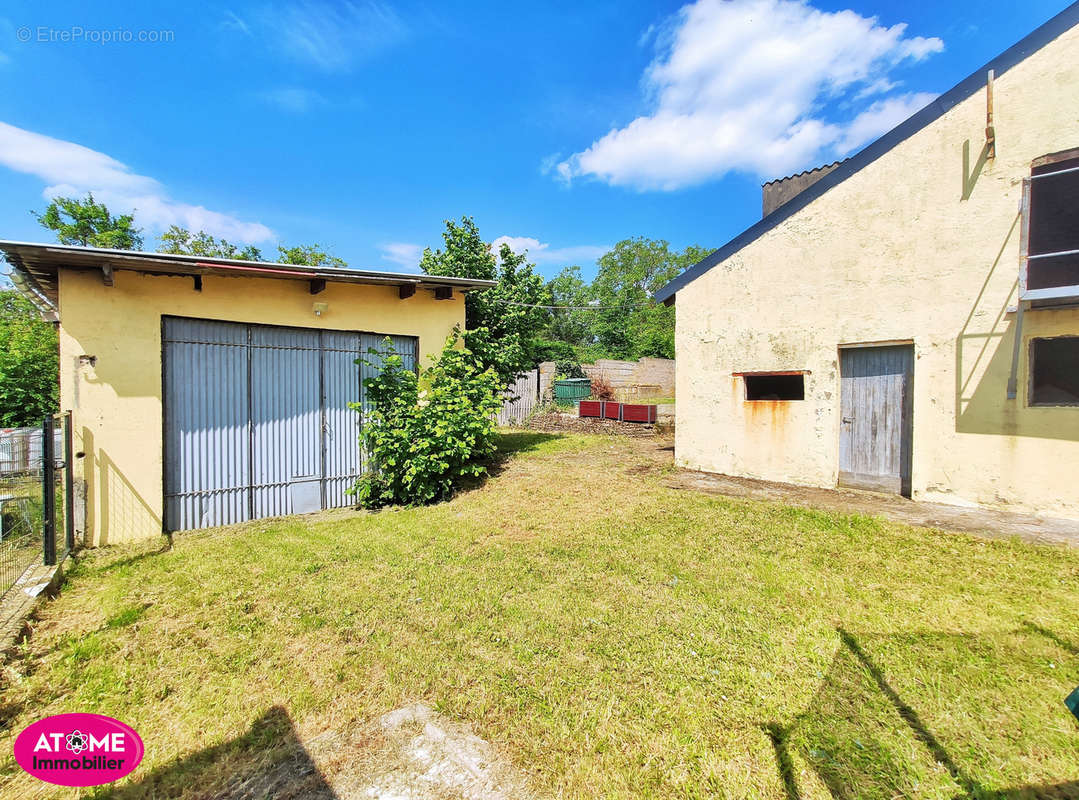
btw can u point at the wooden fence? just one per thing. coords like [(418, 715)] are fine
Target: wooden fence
[(522, 397)]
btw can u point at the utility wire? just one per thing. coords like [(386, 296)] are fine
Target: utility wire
[(573, 308)]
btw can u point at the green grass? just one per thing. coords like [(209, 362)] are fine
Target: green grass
[(613, 636)]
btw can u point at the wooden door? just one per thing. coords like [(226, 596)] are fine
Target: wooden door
[(876, 425)]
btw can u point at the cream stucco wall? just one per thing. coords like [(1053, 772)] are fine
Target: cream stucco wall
[(895, 252), (116, 404)]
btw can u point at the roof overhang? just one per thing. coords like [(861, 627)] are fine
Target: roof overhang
[(37, 267)]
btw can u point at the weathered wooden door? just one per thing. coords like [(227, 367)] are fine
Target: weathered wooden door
[(876, 424)]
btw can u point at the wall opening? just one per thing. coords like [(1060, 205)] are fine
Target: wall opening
[(775, 386), (1054, 371), (1054, 225)]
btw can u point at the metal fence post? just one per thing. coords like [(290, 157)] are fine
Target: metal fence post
[(69, 487), (48, 490)]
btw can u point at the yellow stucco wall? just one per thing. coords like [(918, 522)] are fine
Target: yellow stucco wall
[(116, 404), (895, 252)]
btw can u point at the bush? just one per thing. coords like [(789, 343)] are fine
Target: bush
[(568, 369), (601, 388), (423, 433)]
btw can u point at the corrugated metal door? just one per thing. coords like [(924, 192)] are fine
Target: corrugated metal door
[(257, 422), (876, 425)]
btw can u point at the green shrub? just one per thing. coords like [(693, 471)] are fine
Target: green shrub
[(423, 433), (568, 368)]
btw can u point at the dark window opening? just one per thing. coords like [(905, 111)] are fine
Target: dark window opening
[(1054, 371), (775, 387), (1054, 225)]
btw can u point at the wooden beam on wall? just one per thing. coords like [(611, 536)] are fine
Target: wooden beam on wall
[(443, 293), (406, 290), (318, 285), (106, 274)]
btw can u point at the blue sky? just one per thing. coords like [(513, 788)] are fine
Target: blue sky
[(363, 125)]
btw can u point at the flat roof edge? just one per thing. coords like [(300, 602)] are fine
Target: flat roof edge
[(196, 264)]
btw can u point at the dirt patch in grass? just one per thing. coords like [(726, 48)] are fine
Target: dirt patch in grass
[(556, 421), (605, 634)]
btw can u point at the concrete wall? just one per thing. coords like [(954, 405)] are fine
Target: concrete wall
[(116, 403), (649, 377), (922, 245)]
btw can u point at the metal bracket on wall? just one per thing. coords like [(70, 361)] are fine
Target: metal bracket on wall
[(106, 274)]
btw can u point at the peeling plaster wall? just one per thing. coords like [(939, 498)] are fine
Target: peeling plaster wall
[(922, 245)]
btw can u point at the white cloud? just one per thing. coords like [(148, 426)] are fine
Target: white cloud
[(331, 36), (71, 169), (542, 253), (293, 99), (882, 116), (404, 254), (743, 85)]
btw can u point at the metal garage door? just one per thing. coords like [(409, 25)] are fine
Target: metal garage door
[(257, 422)]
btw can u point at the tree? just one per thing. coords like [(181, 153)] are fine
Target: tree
[(466, 256), (89, 223), (572, 324), (504, 323), (181, 241), (29, 363), (630, 324), (309, 255)]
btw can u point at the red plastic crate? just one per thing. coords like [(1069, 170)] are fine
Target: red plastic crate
[(590, 408), (638, 412), (612, 410)]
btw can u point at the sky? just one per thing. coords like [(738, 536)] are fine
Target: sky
[(562, 128)]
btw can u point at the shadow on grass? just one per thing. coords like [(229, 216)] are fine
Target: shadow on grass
[(166, 546), (865, 740), (509, 445), (267, 761), (514, 442)]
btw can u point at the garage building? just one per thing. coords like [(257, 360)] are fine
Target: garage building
[(211, 391)]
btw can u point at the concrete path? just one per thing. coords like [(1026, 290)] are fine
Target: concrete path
[(985, 522)]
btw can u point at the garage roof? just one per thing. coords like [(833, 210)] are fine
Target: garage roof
[(36, 267), (1062, 22)]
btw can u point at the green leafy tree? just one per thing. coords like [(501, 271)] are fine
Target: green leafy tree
[(181, 241), (89, 223), (505, 323), (425, 433), (29, 363), (466, 256), (630, 324), (309, 255), (570, 322)]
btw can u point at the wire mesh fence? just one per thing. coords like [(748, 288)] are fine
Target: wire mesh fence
[(34, 498)]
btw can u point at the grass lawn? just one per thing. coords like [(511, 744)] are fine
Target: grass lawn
[(613, 636)]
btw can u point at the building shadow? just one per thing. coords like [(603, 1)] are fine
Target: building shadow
[(983, 359), (115, 509), (268, 761), (865, 739)]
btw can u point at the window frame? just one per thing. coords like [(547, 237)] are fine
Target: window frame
[(1056, 292), (772, 373), (1030, 372)]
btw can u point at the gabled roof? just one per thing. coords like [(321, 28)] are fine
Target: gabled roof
[(1062, 22), (36, 268)]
